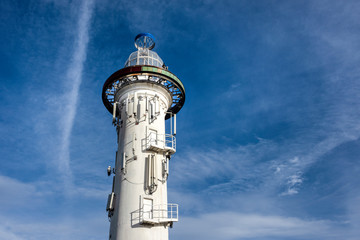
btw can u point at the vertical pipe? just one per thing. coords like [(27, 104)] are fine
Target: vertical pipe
[(114, 112), (123, 161), (152, 170), (146, 104), (171, 131), (148, 172), (167, 166), (134, 103), (151, 110), (174, 124), (139, 111), (155, 169), (127, 105)]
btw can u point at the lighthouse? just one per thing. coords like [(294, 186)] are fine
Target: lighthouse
[(143, 98)]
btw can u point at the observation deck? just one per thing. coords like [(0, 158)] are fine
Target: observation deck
[(158, 214), (161, 143)]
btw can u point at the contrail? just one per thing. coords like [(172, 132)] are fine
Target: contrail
[(74, 78)]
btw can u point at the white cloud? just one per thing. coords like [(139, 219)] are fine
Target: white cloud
[(232, 225), (354, 213), (266, 166), (92, 226), (294, 160), (231, 162), (18, 194), (38, 211), (6, 233), (95, 192), (293, 184)]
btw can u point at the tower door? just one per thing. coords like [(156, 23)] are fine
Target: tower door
[(148, 208)]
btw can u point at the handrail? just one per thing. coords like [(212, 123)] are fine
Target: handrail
[(163, 141), (160, 213)]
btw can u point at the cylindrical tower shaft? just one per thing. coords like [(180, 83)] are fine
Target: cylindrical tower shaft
[(140, 180), (140, 97)]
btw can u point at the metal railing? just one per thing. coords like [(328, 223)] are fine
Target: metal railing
[(160, 213), (161, 141)]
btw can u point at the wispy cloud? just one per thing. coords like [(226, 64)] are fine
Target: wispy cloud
[(266, 168), (293, 183), (73, 78), (34, 199), (17, 192), (90, 226), (6, 233), (231, 225)]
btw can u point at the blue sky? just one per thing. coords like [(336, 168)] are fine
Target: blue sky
[(267, 142)]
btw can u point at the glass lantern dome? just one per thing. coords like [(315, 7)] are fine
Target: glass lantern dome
[(144, 57)]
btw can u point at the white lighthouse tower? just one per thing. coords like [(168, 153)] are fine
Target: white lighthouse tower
[(141, 96)]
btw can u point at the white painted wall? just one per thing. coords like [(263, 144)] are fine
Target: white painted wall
[(131, 183)]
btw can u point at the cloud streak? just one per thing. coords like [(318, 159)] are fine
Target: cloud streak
[(93, 226), (74, 78), (230, 225)]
